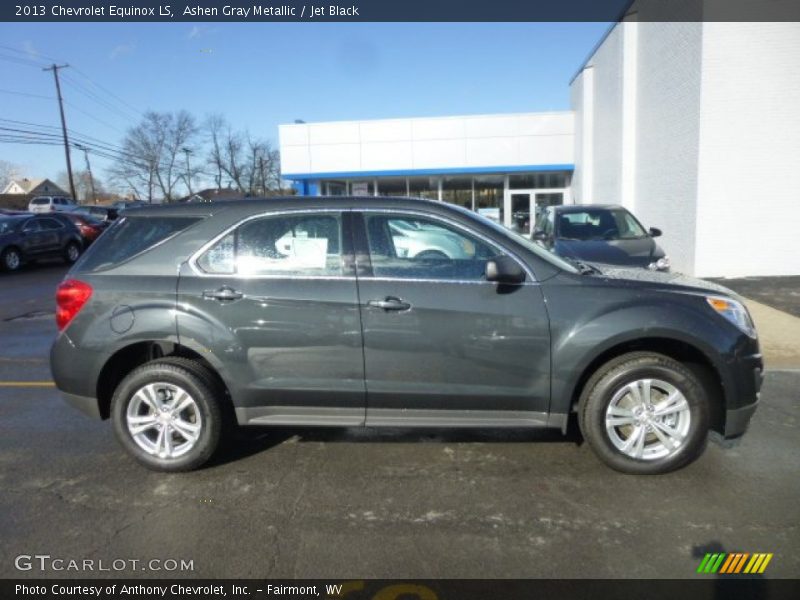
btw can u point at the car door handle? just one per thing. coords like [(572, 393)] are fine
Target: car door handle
[(389, 303), (223, 294)]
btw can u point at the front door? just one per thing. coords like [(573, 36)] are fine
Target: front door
[(271, 302), (442, 346)]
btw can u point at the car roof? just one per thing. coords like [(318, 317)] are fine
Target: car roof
[(284, 203), (567, 208)]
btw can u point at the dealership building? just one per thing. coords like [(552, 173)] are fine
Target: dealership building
[(694, 127)]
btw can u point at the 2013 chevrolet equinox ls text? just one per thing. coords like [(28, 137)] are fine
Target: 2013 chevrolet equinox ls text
[(181, 321)]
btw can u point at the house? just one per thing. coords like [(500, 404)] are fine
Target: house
[(34, 187)]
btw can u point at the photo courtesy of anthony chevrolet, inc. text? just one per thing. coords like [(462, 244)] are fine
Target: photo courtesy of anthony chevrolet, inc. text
[(400, 300)]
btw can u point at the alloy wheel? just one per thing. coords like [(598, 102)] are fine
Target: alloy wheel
[(648, 419)]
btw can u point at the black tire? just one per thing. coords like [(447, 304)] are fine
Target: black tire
[(611, 378), (72, 252), (11, 259), (200, 385)]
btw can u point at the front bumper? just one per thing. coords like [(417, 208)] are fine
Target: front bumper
[(749, 375)]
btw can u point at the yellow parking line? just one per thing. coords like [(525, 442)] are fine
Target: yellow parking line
[(26, 384)]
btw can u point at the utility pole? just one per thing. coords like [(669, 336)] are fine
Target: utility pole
[(187, 152), (54, 68), (88, 170)]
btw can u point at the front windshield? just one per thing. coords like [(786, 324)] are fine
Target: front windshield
[(528, 244), (598, 224)]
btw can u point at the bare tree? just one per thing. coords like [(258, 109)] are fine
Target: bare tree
[(250, 165), (150, 161), (83, 184), (8, 172)]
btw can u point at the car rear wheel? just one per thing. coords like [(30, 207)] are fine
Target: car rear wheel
[(644, 413), (72, 252), (167, 416), (11, 259)]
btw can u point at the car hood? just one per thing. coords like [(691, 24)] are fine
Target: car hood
[(613, 272), (638, 252)]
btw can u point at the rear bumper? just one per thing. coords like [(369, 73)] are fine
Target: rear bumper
[(85, 404)]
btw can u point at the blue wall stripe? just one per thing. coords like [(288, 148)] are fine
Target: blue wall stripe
[(499, 170)]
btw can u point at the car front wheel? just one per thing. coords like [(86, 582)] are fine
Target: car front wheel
[(644, 413), (167, 417)]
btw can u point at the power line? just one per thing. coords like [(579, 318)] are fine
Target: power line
[(27, 94), (28, 53), (110, 93), (93, 96)]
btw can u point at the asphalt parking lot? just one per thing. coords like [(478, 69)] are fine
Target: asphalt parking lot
[(367, 503)]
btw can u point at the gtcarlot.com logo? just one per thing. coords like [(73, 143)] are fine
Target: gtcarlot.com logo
[(734, 563)]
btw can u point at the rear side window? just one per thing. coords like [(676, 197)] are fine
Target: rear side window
[(285, 245), (130, 236)]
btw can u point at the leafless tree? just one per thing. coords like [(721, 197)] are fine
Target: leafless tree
[(8, 172), (151, 160), (83, 184), (249, 165)]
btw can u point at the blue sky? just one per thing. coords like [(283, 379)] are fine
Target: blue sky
[(260, 75)]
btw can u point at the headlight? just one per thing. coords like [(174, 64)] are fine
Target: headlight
[(734, 311), (662, 264)]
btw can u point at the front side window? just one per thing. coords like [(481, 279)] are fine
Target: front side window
[(410, 247), (289, 245)]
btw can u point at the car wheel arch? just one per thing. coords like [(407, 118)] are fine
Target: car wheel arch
[(127, 358), (690, 353)]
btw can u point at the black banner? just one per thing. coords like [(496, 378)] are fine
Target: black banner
[(719, 588), (399, 10)]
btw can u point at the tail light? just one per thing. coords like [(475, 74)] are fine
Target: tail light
[(71, 295)]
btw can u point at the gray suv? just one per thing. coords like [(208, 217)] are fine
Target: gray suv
[(182, 321)]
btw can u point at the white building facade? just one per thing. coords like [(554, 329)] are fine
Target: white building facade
[(688, 125), (694, 127), (499, 165)]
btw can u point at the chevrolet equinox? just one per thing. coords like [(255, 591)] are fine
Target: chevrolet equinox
[(182, 321)]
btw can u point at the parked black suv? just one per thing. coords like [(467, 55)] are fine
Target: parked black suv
[(27, 237), (328, 311)]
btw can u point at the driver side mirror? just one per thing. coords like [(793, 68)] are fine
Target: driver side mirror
[(539, 235), (655, 232), (504, 269)]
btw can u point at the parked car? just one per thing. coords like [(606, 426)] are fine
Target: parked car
[(25, 238), (183, 319), (605, 234), (41, 204), (88, 226), (104, 213)]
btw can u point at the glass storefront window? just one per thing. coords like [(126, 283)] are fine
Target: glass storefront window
[(392, 186), (334, 188), (457, 190), (489, 196), (525, 181), (362, 188), (424, 187)]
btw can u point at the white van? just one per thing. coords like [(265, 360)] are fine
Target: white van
[(41, 204)]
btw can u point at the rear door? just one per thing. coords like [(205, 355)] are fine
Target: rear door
[(274, 301), (442, 346), (33, 238), (52, 231)]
